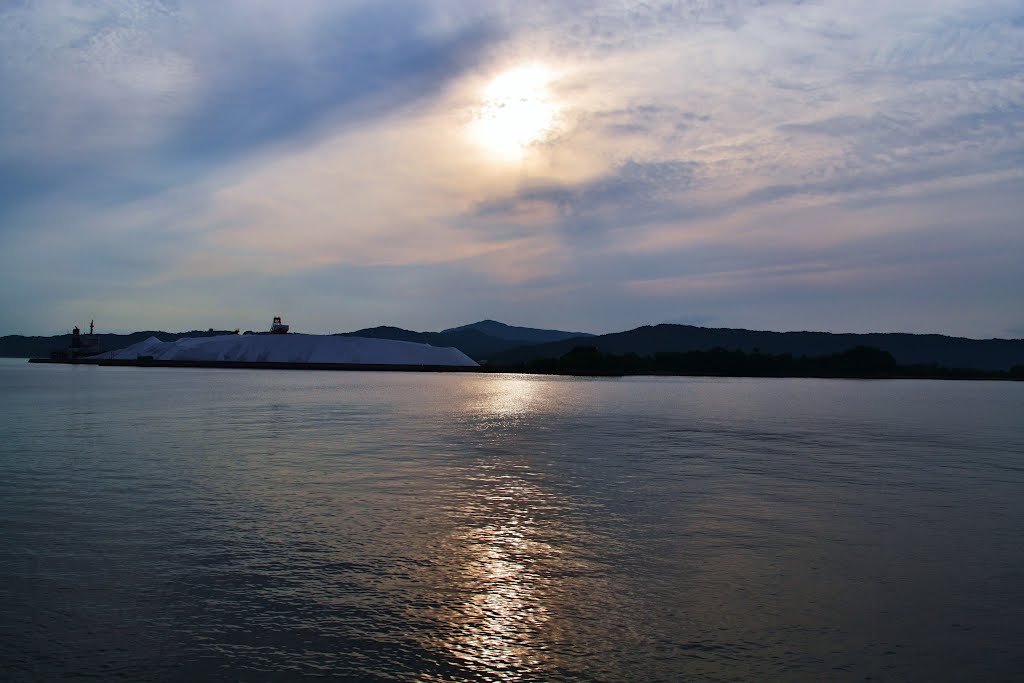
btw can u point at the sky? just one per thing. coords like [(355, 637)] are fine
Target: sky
[(595, 166)]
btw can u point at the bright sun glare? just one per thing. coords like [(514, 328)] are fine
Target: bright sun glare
[(517, 111)]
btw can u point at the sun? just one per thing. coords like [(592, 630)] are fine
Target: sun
[(517, 111)]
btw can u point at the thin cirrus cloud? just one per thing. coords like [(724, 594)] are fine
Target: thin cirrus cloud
[(777, 165)]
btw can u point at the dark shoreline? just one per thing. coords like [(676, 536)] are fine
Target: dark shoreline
[(495, 370), (255, 365)]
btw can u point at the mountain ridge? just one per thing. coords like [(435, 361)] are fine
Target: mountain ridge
[(906, 348), (527, 335), (473, 343)]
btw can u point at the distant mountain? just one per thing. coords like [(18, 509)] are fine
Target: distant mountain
[(907, 349), (475, 344), (480, 341), (18, 346), (525, 335), (389, 332)]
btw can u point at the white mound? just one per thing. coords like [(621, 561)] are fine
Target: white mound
[(293, 348)]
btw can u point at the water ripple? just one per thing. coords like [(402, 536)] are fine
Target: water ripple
[(201, 525)]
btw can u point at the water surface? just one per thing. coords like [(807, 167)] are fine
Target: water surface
[(180, 524)]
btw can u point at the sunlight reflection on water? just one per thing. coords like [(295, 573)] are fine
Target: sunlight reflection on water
[(505, 567), (497, 626)]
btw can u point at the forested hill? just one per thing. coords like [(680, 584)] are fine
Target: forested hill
[(473, 343), (520, 335), (952, 352), (480, 341)]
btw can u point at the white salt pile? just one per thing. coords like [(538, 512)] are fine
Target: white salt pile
[(293, 348)]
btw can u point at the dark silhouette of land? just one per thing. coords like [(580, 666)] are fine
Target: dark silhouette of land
[(473, 343), (149, 362), (858, 362), (666, 349), (479, 341), (907, 349), (520, 335)]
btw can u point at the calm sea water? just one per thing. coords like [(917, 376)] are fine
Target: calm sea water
[(176, 524)]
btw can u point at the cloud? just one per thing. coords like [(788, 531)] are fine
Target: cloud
[(633, 193), (347, 65), (124, 99), (729, 157)]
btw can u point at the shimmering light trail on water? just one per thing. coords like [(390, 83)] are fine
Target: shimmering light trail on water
[(175, 524)]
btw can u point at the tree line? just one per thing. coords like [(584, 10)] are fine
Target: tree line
[(858, 362)]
